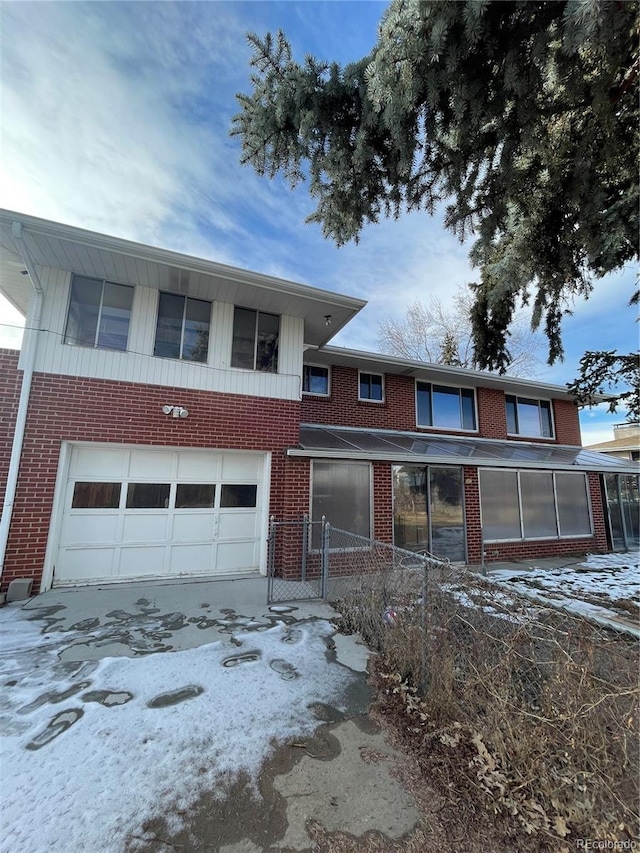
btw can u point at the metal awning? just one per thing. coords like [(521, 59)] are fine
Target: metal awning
[(326, 442)]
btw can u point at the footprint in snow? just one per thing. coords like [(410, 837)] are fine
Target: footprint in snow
[(59, 724), (285, 670)]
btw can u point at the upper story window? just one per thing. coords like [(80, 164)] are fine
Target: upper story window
[(371, 387), (444, 407), (315, 380), (529, 417), (182, 330), (255, 340), (99, 313)]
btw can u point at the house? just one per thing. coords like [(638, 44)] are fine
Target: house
[(163, 407), (625, 442)]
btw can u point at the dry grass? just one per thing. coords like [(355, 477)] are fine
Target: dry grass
[(525, 714)]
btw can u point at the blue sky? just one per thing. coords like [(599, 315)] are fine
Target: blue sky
[(115, 118)]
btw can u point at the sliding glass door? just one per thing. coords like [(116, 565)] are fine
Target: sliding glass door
[(622, 501), (429, 510)]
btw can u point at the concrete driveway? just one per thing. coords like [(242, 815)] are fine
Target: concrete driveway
[(187, 716)]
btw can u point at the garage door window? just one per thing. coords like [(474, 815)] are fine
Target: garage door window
[(238, 496), (96, 496), (148, 496), (195, 495)]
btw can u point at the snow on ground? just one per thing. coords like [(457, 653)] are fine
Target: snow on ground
[(602, 585), (91, 750)]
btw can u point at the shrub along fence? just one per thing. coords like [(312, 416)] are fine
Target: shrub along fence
[(538, 708)]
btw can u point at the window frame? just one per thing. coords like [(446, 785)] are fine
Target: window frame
[(275, 358), (538, 400), (326, 393), (460, 389), (559, 535), (362, 399), (95, 345), (180, 356)]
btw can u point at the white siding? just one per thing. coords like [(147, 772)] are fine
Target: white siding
[(139, 363)]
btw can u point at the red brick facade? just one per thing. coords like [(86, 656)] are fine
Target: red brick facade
[(65, 408), (398, 410)]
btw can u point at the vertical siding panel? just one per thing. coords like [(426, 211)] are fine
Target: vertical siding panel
[(139, 364)]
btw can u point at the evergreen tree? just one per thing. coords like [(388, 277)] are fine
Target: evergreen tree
[(449, 351), (522, 115)]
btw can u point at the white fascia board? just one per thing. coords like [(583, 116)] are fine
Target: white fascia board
[(176, 259)]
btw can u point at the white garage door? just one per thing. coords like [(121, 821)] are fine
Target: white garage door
[(135, 513)]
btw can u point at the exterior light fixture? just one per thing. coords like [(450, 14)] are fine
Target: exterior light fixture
[(175, 411), (327, 319)]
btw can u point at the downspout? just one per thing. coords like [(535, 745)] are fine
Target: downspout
[(29, 359)]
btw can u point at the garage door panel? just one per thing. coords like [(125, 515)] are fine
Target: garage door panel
[(154, 464), (90, 529), (240, 467), (139, 527), (238, 525), (198, 467), (87, 564), (191, 559), (140, 561), (189, 527), (237, 556), (98, 463)]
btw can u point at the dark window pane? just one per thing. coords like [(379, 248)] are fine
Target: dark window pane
[(148, 496), (195, 495), (528, 417), (244, 338), (238, 495), (545, 419), (195, 346), (447, 513), (169, 326), (84, 308), (446, 407), (423, 392), (114, 317), (267, 346), (96, 496), (468, 408), (410, 520), (315, 380), (512, 423), (371, 387)]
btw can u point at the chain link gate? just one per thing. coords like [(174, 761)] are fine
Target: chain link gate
[(297, 562), (312, 560)]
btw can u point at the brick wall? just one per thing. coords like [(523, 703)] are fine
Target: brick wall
[(10, 380), (382, 502), (67, 408), (567, 422), (398, 411)]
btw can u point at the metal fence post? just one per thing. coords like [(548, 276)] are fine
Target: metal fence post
[(305, 546), (426, 632), (324, 569), (271, 558)]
